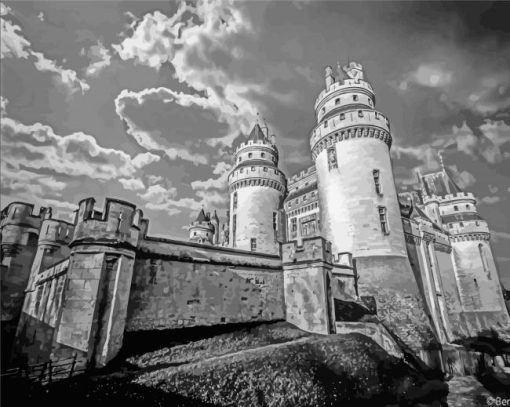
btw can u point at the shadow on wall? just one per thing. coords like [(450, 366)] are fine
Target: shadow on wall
[(140, 342)]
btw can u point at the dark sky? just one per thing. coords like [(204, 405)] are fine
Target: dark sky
[(142, 100)]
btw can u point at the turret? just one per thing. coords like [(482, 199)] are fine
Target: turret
[(202, 230), (329, 78), (256, 188)]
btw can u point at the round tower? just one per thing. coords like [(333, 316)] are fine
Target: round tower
[(202, 229), (256, 188), (360, 211)]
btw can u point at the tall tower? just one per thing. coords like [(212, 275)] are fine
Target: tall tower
[(256, 188), (476, 274), (359, 207)]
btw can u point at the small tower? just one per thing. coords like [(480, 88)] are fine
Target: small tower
[(202, 230), (360, 211), (256, 188)]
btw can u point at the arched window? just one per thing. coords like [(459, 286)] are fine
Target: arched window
[(355, 98), (337, 101), (485, 263), (250, 155)]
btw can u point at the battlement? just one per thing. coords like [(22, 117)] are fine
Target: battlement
[(257, 175), (460, 196), (56, 232), (347, 85), (204, 225), (119, 222), (302, 175), (342, 122), (22, 214), (257, 143), (312, 249), (469, 227)]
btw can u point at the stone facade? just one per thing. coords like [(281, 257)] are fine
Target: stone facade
[(336, 251)]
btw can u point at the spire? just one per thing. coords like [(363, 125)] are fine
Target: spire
[(256, 133), (441, 162), (201, 216)]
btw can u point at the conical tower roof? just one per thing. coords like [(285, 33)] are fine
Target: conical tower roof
[(256, 133), (201, 216)]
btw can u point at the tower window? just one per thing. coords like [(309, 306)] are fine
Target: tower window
[(265, 169), (253, 168), (467, 206), (455, 208), (370, 102), (332, 162), (377, 182), (355, 98), (461, 224), (342, 116), (275, 217), (250, 155), (325, 123), (234, 206), (253, 244), (194, 233), (234, 224), (337, 101), (485, 264), (240, 158), (383, 220), (360, 113), (262, 155), (323, 110)]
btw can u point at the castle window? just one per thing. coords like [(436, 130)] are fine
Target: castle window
[(250, 155), (325, 123), (477, 223), (323, 110), (332, 162), (234, 206), (240, 158), (467, 206), (265, 169), (455, 208), (253, 244), (360, 113), (262, 155), (253, 168), (383, 220), (337, 101), (461, 224), (342, 116), (275, 217), (476, 282), (241, 171), (194, 233), (377, 182), (370, 102), (355, 98), (485, 263), (234, 224)]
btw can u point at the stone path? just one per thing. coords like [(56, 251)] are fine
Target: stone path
[(468, 392)]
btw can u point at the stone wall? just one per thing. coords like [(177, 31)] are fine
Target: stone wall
[(180, 284)]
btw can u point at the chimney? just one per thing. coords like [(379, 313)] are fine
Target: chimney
[(330, 79)]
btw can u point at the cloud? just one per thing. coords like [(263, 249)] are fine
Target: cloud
[(14, 45), (101, 58), (222, 169), (427, 75), (37, 147), (160, 198), (132, 184), (154, 179), (15, 181), (145, 138), (489, 200)]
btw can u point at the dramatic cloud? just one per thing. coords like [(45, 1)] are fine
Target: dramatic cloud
[(163, 199), (132, 184), (14, 45), (37, 147), (222, 169), (101, 58)]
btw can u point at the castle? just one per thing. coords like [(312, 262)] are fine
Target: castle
[(323, 249)]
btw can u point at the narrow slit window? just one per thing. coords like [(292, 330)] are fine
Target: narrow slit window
[(377, 181), (235, 201), (332, 161), (234, 224), (383, 220), (253, 244)]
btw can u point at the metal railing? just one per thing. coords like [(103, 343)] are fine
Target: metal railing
[(46, 372)]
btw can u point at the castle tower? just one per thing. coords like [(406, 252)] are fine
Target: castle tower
[(359, 207), (256, 188), (479, 286), (202, 229)]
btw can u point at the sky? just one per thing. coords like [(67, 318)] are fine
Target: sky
[(142, 101)]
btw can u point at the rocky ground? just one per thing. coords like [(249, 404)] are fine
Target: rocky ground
[(269, 365), (467, 392)]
